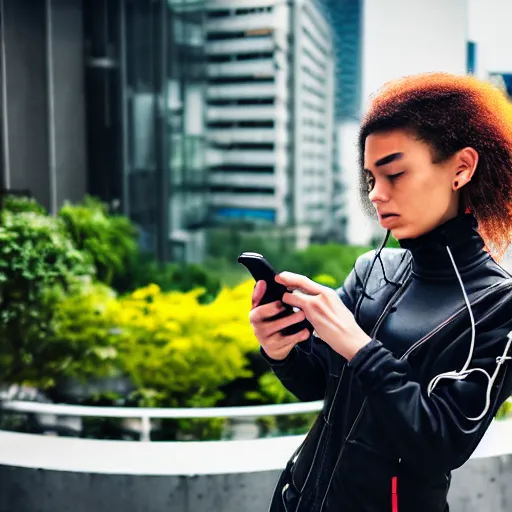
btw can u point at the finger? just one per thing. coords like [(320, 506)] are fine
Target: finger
[(279, 325), (297, 299), (261, 314), (258, 292), (280, 341), (298, 282)]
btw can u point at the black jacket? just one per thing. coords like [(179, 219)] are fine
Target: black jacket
[(382, 442)]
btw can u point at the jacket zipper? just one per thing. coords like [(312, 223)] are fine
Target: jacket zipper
[(425, 338)]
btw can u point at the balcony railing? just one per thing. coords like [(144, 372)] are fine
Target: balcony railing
[(145, 415)]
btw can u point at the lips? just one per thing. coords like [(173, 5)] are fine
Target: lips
[(383, 216), (387, 220)]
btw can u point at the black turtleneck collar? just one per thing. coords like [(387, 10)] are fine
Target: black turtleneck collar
[(430, 257)]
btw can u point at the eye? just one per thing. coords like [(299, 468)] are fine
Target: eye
[(393, 177), (370, 182)]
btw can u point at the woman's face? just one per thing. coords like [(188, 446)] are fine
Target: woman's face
[(412, 195)]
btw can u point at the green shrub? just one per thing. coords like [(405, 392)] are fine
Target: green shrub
[(504, 411), (83, 342), (109, 240), (19, 204), (181, 350), (271, 391), (334, 260), (38, 266)]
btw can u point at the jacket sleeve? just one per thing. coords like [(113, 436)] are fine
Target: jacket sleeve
[(434, 433), (303, 371)]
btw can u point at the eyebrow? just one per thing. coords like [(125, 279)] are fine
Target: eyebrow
[(387, 160)]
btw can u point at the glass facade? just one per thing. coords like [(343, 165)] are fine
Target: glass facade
[(345, 18), (471, 57), (145, 97)]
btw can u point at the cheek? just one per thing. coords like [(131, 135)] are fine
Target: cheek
[(432, 189)]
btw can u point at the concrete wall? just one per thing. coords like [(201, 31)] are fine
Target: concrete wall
[(43, 122), (31, 490), (482, 485)]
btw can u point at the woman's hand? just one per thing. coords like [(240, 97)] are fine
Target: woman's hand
[(331, 319), (267, 330)]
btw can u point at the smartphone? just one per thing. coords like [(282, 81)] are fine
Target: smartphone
[(262, 270)]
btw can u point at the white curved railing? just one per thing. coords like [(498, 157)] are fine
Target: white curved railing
[(175, 457), (146, 414)]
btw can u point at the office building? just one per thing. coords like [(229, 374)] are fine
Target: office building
[(107, 97), (269, 113)]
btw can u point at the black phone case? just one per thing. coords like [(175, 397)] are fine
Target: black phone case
[(262, 270)]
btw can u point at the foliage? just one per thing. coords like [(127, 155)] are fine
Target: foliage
[(110, 240), (226, 244), (505, 411), (326, 280), (333, 259), (229, 242), (143, 269), (19, 204), (179, 351), (83, 342), (272, 391), (38, 265)]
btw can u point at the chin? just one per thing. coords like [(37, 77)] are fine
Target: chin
[(403, 233)]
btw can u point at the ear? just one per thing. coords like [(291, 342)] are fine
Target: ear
[(466, 161)]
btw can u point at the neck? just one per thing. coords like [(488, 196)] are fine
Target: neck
[(430, 258)]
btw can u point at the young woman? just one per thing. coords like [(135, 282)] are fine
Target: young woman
[(411, 355)]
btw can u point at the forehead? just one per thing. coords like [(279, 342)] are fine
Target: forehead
[(378, 145)]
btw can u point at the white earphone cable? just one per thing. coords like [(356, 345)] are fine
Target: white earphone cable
[(464, 372)]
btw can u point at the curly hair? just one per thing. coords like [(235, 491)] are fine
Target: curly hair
[(450, 112)]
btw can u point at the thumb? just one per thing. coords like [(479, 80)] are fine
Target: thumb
[(258, 292)]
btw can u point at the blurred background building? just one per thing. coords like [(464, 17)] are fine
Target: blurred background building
[(270, 113), (191, 114)]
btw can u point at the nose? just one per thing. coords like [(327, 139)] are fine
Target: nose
[(379, 192)]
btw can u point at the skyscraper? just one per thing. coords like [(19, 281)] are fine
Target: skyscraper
[(270, 106), (345, 17)]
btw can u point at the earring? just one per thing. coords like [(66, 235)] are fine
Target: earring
[(456, 184)]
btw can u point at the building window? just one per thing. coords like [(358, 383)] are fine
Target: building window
[(471, 57)]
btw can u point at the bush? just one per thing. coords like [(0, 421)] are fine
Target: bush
[(22, 204), (271, 391), (38, 266), (180, 351), (504, 411), (82, 345), (333, 260), (225, 245), (109, 240)]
